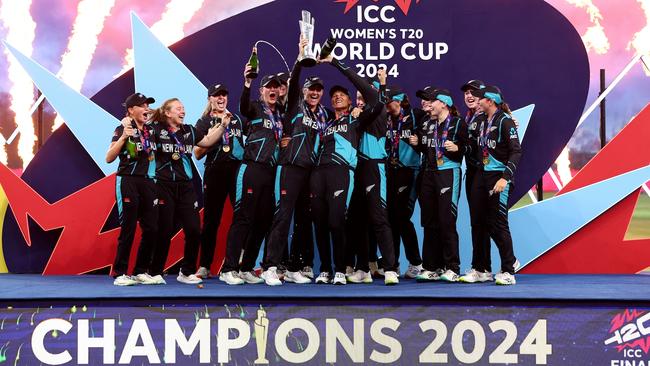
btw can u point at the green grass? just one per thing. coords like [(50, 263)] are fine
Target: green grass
[(639, 224)]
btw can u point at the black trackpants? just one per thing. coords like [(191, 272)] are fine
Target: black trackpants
[(291, 201), (497, 219), (370, 208), (178, 206), (253, 213), (136, 200), (401, 203), (219, 182), (331, 190), (438, 197), (478, 201)]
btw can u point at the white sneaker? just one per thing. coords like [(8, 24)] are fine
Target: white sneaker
[(471, 276), (124, 280), (270, 276), (189, 280), (145, 279), (203, 272), (349, 271), (427, 276), (159, 280), (323, 277), (308, 272), (505, 278), (250, 277), (517, 265), (360, 277), (413, 271), (390, 278), (449, 276), (485, 276), (296, 277), (280, 273), (231, 278), (339, 279)]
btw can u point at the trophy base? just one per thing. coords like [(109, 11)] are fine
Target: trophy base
[(252, 75), (308, 62)]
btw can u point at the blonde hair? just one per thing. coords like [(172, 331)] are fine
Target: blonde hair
[(208, 110), (159, 113)]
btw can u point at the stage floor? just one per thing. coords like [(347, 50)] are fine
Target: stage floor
[(598, 288)]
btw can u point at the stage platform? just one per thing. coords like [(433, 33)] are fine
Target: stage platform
[(543, 320), (535, 288)]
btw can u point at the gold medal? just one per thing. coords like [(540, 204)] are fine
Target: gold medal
[(225, 148), (394, 161), (440, 162), (486, 160), (176, 156)]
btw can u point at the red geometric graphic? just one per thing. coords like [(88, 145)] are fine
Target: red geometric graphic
[(82, 247), (600, 246)]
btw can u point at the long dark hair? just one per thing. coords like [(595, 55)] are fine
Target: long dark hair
[(159, 113), (505, 107), (454, 111)]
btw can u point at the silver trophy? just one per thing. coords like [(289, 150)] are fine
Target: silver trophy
[(308, 57)]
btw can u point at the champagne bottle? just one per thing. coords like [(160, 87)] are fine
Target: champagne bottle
[(131, 148), (254, 63), (328, 47)]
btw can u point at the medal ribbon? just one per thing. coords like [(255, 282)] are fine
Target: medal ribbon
[(443, 138), (177, 142), (484, 132), (395, 133), (276, 120)]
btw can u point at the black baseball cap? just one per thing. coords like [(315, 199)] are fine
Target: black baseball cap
[(443, 95), (269, 79), (216, 89), (395, 93), (340, 88), (491, 92), (137, 99), (473, 84), (283, 77), (426, 92), (312, 81)]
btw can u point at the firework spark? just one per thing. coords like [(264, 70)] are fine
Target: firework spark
[(641, 40), (594, 38), (91, 15), (169, 29), (21, 30)]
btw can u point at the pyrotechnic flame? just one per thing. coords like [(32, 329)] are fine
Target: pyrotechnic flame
[(91, 15), (21, 30), (641, 40), (595, 37), (169, 29)]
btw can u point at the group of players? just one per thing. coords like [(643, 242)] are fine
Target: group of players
[(348, 176)]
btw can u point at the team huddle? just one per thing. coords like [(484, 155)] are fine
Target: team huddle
[(347, 176)]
